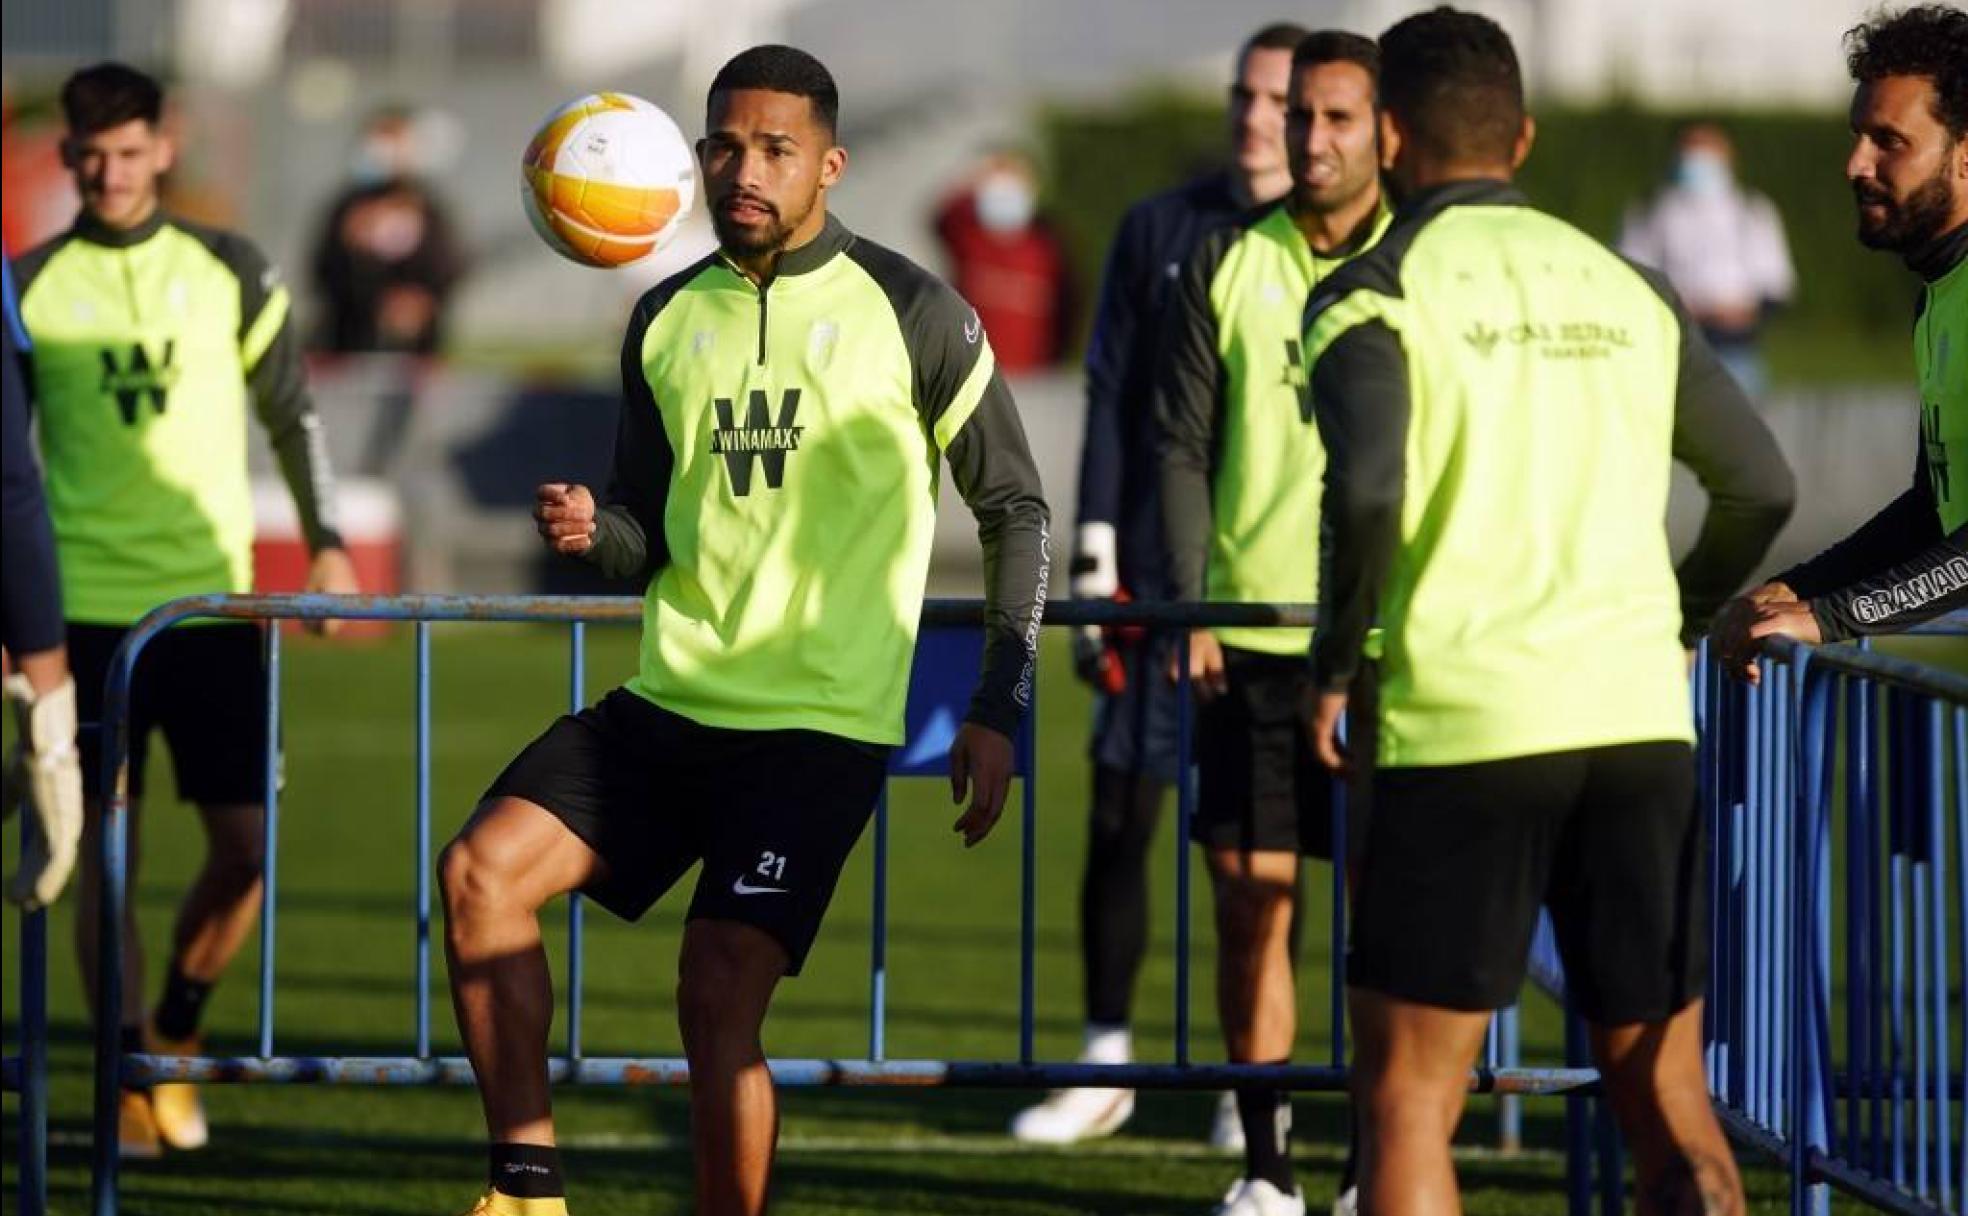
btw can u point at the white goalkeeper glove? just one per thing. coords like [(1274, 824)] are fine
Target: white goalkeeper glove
[(1095, 575), (44, 773)]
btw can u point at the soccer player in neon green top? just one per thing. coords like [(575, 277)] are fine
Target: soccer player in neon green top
[(788, 401), (1240, 461), (1501, 399), (153, 340), (1909, 174)]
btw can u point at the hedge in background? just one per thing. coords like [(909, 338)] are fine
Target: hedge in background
[(1853, 309)]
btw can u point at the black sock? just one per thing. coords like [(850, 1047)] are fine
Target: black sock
[(183, 1004), (1349, 1177), (527, 1171), (130, 1040), (1266, 1116)]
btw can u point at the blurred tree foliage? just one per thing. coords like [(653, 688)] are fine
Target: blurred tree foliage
[(1848, 323)]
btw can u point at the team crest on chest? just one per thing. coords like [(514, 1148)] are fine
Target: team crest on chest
[(820, 343)]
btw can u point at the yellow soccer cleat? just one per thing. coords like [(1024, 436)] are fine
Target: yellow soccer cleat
[(136, 1131), (494, 1203), (180, 1116)]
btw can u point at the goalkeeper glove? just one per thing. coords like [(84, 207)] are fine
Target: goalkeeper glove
[(45, 773)]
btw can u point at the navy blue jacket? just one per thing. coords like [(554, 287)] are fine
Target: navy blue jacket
[(30, 585), (1118, 471)]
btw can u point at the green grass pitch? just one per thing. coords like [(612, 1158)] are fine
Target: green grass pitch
[(345, 979)]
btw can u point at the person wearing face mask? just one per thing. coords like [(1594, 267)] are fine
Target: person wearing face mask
[(1006, 259), (1720, 245), (387, 257)]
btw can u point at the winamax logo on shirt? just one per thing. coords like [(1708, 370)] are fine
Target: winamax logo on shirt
[(135, 377), (761, 439)]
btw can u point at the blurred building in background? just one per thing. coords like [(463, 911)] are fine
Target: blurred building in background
[(287, 83), (273, 94)]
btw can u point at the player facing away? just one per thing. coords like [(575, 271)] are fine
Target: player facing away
[(153, 338), (1501, 399), (1240, 459), (786, 401), (1118, 552)]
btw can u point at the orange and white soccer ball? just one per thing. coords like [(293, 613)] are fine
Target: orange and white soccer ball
[(608, 179)]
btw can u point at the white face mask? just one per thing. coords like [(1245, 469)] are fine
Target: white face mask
[(1700, 171), (1005, 203)]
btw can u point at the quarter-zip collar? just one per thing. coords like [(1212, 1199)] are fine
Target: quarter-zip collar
[(88, 228)]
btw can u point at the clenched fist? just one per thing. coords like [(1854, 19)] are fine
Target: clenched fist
[(566, 517)]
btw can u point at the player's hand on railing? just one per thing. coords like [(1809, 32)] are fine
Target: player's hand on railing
[(1787, 618), (566, 517), (980, 768), (1327, 711), (1205, 665), (331, 573), (1734, 634)]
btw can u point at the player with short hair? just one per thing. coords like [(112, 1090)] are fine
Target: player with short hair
[(1501, 399), (1240, 459), (153, 337), (1119, 552), (786, 402), (1908, 169)]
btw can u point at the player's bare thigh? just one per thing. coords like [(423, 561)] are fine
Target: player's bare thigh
[(516, 852)]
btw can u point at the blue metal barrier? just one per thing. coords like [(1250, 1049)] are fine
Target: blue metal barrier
[(1763, 754), (1840, 738)]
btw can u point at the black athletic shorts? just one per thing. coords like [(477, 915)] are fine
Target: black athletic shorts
[(1137, 729), (1261, 786), (205, 685), (772, 814), (1459, 858)]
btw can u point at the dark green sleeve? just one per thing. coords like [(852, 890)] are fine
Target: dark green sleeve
[(1896, 595), (1360, 395), (1720, 437), (629, 542), (1187, 403), (991, 465), (276, 378), (968, 412)]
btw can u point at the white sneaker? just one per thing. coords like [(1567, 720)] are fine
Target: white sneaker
[(1348, 1203), (1256, 1197), (1068, 1116), (1226, 1129)]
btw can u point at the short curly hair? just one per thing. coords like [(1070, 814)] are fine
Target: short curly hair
[(1928, 40)]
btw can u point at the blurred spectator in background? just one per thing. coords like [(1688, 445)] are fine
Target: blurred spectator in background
[(387, 257), (1006, 259), (1721, 246)]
